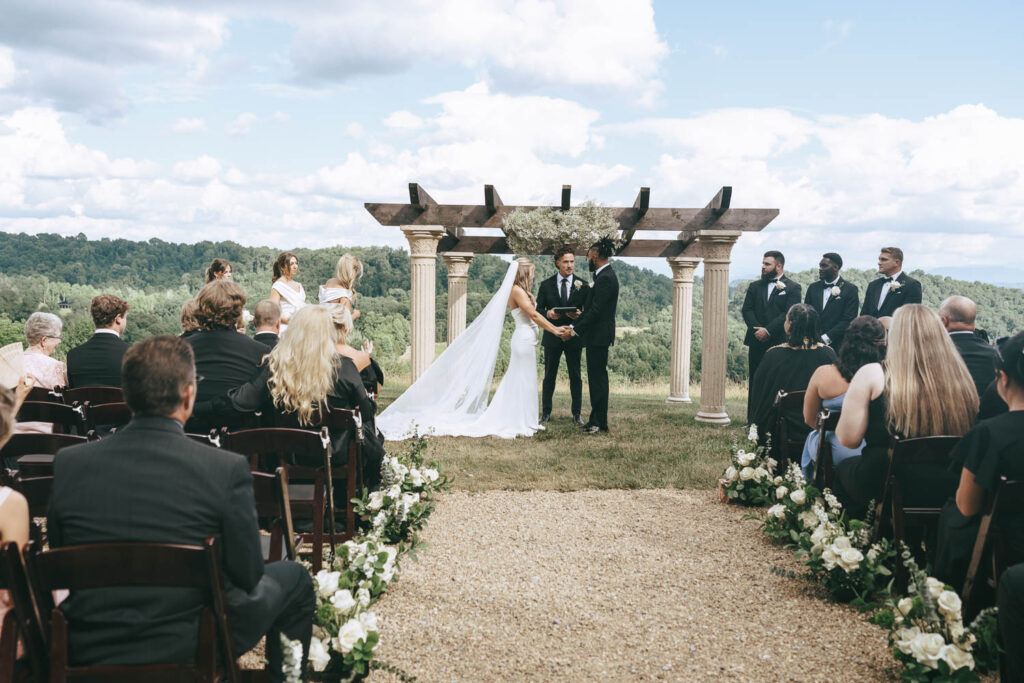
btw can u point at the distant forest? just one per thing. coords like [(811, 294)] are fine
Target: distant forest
[(62, 274)]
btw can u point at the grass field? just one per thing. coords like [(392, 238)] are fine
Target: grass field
[(652, 444)]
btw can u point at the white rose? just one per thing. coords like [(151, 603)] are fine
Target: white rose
[(380, 520), (949, 604), (828, 557), (394, 493), (955, 658), (731, 474), (430, 474), (348, 636), (799, 496), (342, 601), (905, 605), (319, 657), (807, 519), (835, 290), (752, 434), (376, 501), (781, 492), (777, 480), (416, 477), (747, 473), (777, 511), (906, 636), (744, 459), (926, 648), (935, 587), (327, 583), (368, 620), (410, 498), (850, 559), (872, 554), (841, 543), (760, 473), (363, 596)]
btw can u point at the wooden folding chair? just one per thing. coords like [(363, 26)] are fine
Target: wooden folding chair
[(64, 418), (37, 493), (106, 418), (337, 421), (22, 620), (273, 508), (824, 468), (306, 457), (213, 438), (788, 443), (53, 395), (94, 395), (32, 453), (990, 556), (106, 565)]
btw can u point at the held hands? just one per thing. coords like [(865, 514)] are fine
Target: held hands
[(761, 333), (564, 332)]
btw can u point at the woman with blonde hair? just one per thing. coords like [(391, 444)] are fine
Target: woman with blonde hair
[(450, 397), (341, 289), (285, 291), (924, 389)]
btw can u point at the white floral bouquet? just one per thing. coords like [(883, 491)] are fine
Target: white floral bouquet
[(749, 479), (345, 632), (928, 636), (537, 230), (799, 509)]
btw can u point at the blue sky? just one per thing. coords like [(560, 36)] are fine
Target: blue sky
[(270, 123)]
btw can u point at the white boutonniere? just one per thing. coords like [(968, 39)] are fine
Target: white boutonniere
[(591, 285), (835, 291), (577, 284), (895, 285), (780, 286)]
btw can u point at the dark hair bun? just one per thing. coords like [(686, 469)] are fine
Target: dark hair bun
[(604, 247)]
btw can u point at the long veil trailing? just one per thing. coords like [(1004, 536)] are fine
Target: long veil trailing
[(453, 391)]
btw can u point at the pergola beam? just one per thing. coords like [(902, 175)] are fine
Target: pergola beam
[(484, 244), (566, 196), (491, 199)]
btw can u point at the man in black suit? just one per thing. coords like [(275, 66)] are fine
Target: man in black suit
[(893, 289), (150, 483), (835, 300), (764, 310), (266, 318), (97, 362), (958, 314), (561, 290), (596, 325)]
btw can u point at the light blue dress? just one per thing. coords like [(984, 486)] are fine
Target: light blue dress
[(839, 451)]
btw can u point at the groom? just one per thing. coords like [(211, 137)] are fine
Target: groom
[(562, 290), (596, 326)]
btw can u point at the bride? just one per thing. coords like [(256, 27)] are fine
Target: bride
[(450, 397)]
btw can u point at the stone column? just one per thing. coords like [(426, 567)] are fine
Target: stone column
[(458, 271), (423, 241), (716, 245), (682, 324)]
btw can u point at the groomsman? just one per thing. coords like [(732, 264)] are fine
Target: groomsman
[(561, 290), (764, 309), (835, 300), (893, 289)]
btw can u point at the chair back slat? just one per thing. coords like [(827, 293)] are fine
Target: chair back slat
[(64, 418), (1008, 500), (94, 395), (824, 466), (102, 565), (787, 442), (25, 610), (28, 448), (106, 415), (36, 491), (53, 395)]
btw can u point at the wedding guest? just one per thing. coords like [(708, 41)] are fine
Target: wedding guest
[(369, 370), (1011, 621), (863, 343), (958, 314), (266, 318), (341, 289), (149, 483), (894, 289), (285, 291), (43, 335), (220, 269), (14, 513), (189, 324), (303, 376), (923, 389), (97, 362), (224, 359), (764, 311), (835, 300), (789, 367), (994, 448)]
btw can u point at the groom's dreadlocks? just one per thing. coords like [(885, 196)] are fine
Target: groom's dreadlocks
[(604, 247)]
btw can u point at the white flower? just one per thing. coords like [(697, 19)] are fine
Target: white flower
[(771, 462), (906, 636), (731, 474), (363, 596), (376, 501), (752, 434), (291, 664), (380, 520), (872, 554), (828, 557), (342, 601), (893, 286), (835, 290), (955, 658), (416, 477), (832, 501), (799, 496), (777, 511), (935, 587), (368, 620), (577, 284), (808, 519), (394, 493), (410, 499), (781, 492), (949, 605), (777, 480), (430, 474), (319, 657), (743, 458), (850, 559), (780, 285), (842, 543), (819, 538), (348, 636), (926, 648), (747, 473), (327, 583)]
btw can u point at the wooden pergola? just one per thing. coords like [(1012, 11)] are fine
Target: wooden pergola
[(706, 234)]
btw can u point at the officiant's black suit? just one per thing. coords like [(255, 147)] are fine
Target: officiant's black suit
[(908, 293), (760, 310), (150, 483), (597, 327), (548, 297), (837, 313), (97, 362)]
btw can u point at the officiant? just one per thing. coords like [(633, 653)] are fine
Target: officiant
[(561, 298)]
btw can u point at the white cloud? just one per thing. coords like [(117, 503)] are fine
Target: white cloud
[(242, 124), (197, 170), (7, 68), (354, 130), (403, 120), (188, 125)]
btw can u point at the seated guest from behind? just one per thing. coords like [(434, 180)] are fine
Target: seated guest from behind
[(149, 483), (189, 324), (341, 289), (220, 269), (788, 367), (957, 314), (863, 343), (266, 318), (14, 517), (923, 389), (304, 375), (994, 448), (97, 362), (369, 370), (1011, 620), (224, 358), (42, 332)]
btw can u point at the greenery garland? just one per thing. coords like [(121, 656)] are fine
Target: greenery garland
[(538, 230)]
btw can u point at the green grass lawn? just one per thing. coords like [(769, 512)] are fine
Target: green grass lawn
[(652, 444)]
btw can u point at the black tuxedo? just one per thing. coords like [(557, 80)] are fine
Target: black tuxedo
[(835, 316), (225, 359), (597, 327), (97, 362), (268, 339), (760, 310), (979, 357), (150, 483), (548, 297), (908, 293)]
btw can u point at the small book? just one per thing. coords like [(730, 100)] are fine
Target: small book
[(12, 365), (564, 309)]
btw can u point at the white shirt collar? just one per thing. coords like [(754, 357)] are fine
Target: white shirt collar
[(561, 277), (971, 332), (833, 283), (601, 268), (896, 275), (107, 330)]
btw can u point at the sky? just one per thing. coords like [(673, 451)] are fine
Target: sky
[(270, 123)]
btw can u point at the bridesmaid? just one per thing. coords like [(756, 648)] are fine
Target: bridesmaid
[(285, 291), (341, 289), (220, 269)]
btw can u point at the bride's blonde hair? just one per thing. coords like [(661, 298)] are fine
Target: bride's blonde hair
[(302, 365), (524, 277)]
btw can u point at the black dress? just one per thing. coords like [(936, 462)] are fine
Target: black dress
[(994, 448), (788, 369), (858, 479)]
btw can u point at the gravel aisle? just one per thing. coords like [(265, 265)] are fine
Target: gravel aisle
[(613, 585)]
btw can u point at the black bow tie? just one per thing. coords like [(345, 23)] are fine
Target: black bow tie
[(889, 279)]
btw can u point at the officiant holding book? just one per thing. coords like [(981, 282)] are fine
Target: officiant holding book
[(561, 298)]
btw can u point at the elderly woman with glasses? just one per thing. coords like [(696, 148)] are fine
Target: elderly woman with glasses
[(43, 334)]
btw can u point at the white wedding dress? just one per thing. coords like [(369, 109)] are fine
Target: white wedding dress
[(450, 398)]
